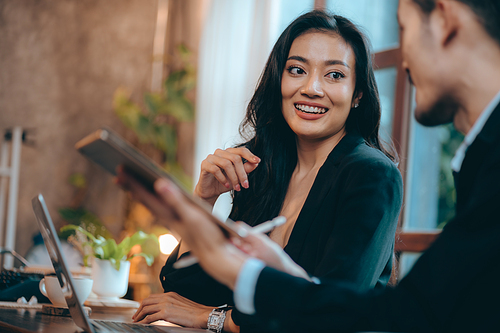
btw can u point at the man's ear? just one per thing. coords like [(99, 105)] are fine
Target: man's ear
[(448, 16)]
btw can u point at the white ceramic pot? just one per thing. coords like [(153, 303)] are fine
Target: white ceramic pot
[(109, 283)]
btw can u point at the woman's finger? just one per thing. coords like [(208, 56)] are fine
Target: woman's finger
[(151, 299), (252, 161), (228, 163), (245, 153), (237, 163), (151, 318), (148, 310), (210, 167)]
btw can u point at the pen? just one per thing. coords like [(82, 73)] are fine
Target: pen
[(269, 225), (261, 228)]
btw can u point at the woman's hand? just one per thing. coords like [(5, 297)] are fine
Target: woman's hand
[(174, 308), (224, 171), (179, 310)]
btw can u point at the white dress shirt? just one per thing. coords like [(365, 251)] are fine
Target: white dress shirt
[(456, 162), (244, 291)]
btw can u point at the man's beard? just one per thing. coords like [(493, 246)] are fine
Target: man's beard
[(439, 113)]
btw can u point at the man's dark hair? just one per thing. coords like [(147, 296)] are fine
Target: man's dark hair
[(487, 12)]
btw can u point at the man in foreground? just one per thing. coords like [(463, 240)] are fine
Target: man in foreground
[(451, 49)]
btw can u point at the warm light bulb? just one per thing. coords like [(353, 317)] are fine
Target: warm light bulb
[(167, 243)]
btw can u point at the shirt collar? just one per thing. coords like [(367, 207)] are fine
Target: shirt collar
[(456, 162)]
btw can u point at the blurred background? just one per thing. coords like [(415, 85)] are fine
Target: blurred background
[(173, 77)]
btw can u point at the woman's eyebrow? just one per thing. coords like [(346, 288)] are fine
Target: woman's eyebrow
[(298, 58), (337, 62), (327, 62)]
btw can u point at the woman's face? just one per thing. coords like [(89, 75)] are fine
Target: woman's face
[(317, 86)]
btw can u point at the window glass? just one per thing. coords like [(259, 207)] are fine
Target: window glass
[(377, 17), (430, 190), (386, 82), (291, 9)]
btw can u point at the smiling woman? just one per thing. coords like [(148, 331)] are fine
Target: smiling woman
[(319, 83), (314, 156)]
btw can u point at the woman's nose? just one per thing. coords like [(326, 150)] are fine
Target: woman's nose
[(313, 87)]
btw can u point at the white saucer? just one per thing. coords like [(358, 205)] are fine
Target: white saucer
[(107, 303)]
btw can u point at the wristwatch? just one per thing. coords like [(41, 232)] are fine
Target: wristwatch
[(217, 317)]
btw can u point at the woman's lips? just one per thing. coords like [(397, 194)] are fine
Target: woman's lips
[(309, 112)]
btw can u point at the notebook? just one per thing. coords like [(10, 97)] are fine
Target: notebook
[(76, 310)]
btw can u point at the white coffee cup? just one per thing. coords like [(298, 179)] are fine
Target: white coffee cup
[(50, 287)]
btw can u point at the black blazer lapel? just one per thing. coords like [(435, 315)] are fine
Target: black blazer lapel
[(481, 155), (318, 193)]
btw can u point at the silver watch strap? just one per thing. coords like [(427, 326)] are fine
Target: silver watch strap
[(216, 319)]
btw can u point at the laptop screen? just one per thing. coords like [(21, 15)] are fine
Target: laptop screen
[(53, 245)]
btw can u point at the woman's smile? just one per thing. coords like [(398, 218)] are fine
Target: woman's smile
[(310, 111)]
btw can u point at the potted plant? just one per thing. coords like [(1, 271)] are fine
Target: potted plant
[(157, 123), (111, 265)]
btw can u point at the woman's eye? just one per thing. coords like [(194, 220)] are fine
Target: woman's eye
[(296, 70), (335, 75)]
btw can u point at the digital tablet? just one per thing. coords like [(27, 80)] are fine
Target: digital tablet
[(109, 150)]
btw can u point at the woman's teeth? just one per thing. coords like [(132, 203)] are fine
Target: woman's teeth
[(310, 109)]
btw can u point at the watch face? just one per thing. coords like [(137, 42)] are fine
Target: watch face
[(213, 321), (216, 320), (214, 317)]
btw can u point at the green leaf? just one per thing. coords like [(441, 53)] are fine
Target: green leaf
[(115, 263), (154, 102), (149, 258), (124, 247), (78, 180), (99, 252), (176, 170), (184, 51), (150, 246), (128, 112), (109, 248), (166, 140), (80, 229), (86, 260), (83, 218)]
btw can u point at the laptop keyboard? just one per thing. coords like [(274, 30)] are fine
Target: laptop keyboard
[(115, 326), (14, 284)]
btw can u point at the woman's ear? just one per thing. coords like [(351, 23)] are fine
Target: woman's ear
[(356, 100)]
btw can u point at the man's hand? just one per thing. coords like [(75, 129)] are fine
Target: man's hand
[(264, 248), (215, 253)]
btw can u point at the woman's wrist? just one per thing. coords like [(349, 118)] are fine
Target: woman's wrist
[(229, 325), (219, 320), (210, 200)]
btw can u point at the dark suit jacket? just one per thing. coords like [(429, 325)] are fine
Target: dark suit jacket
[(345, 230), (453, 287)]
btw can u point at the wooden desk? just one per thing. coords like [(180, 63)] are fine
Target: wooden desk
[(24, 320)]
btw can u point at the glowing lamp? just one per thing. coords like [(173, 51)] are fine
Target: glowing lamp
[(167, 243)]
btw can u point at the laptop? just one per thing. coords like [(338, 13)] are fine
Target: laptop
[(76, 310)]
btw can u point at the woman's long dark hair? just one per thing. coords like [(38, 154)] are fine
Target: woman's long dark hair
[(273, 140)]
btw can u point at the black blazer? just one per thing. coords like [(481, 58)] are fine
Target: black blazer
[(345, 230), (453, 287)]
